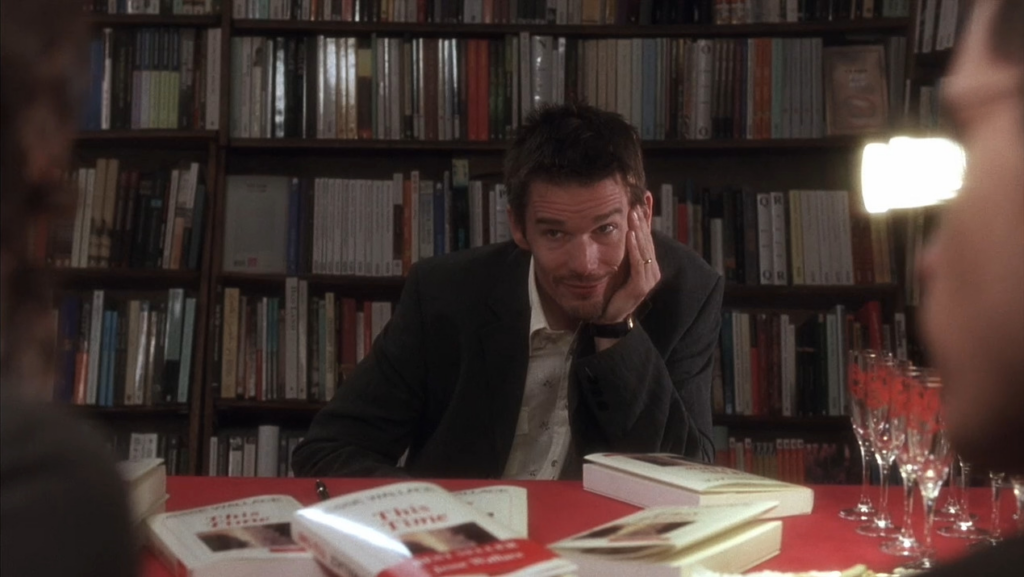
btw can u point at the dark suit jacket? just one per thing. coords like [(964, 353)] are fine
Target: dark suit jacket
[(445, 378)]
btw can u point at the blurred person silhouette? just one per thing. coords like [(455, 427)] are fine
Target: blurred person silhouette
[(61, 500), (973, 269)]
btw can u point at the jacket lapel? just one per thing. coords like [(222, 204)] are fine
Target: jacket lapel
[(504, 340)]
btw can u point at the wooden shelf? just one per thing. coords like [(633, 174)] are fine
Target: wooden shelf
[(360, 283), (280, 407), (71, 278), (879, 26), (105, 20), (146, 136), (133, 411), (811, 296), (783, 423), (460, 146)]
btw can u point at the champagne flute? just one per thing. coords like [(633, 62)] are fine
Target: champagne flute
[(863, 510), (880, 382), (905, 544), (997, 479), (950, 510), (929, 449), (963, 526), (1018, 492)]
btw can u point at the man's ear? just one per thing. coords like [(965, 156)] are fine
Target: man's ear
[(649, 207), (517, 229)]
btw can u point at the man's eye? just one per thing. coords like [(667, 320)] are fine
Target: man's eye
[(606, 228), (553, 234)]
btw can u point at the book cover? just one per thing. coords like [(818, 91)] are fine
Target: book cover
[(856, 97), (245, 537), (417, 528), (675, 541), (656, 479)]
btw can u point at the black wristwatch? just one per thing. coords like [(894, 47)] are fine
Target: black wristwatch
[(613, 330)]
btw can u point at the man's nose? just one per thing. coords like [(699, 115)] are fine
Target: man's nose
[(583, 256)]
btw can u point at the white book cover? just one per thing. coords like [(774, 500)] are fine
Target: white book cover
[(676, 541), (656, 479), (506, 504), (247, 537), (416, 527)]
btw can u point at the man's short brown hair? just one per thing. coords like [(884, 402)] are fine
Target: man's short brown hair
[(573, 144)]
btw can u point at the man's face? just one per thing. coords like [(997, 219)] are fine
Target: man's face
[(577, 235), (973, 270)]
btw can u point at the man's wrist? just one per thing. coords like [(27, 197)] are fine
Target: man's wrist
[(612, 330)]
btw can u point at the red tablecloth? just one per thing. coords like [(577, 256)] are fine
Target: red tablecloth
[(557, 509)]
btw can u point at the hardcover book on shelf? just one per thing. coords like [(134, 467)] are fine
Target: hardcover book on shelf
[(256, 224), (663, 479), (248, 537), (416, 528), (675, 541), (856, 97)]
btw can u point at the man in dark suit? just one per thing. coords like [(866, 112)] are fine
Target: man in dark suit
[(587, 333)]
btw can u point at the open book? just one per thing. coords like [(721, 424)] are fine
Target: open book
[(248, 537), (675, 541), (416, 528), (655, 479)]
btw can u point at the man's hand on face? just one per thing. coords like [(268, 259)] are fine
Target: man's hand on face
[(644, 272)]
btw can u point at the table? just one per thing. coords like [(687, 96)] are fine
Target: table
[(558, 509)]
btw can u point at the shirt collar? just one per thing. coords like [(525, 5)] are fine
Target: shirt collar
[(538, 320)]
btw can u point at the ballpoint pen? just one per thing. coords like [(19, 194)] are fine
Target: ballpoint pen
[(321, 490)]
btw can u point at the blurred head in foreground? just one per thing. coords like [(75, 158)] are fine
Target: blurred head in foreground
[(973, 270), (42, 57)]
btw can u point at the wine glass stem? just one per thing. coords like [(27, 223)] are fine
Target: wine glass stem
[(908, 507), (865, 474), (996, 492), (965, 522), (882, 518), (929, 517)]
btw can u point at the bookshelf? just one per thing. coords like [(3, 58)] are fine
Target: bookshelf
[(780, 163)]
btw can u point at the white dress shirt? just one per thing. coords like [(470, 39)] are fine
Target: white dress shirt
[(542, 433)]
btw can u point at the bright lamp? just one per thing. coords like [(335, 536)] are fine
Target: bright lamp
[(910, 172)]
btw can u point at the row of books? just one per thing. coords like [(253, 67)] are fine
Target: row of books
[(791, 460), (296, 347), (481, 89), (277, 224), (939, 23), (571, 11), (152, 7), (133, 445), (166, 78), (129, 218), (796, 237), (118, 350), (357, 227), (794, 363), (261, 452)]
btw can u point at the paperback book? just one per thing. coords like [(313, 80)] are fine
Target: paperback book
[(676, 541), (247, 537), (417, 529), (663, 479)]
